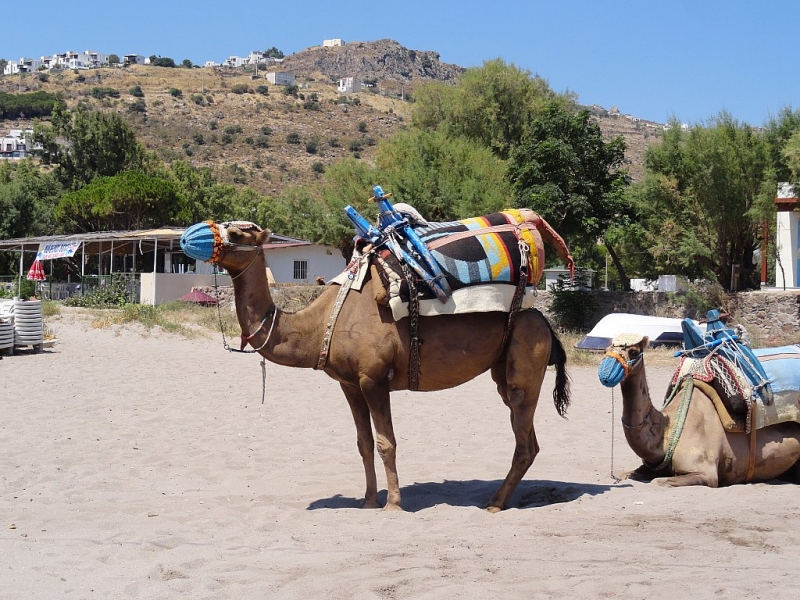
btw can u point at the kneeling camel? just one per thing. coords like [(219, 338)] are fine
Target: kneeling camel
[(704, 453)]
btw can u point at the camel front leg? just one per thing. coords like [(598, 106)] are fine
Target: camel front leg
[(687, 479), (365, 441), (376, 394)]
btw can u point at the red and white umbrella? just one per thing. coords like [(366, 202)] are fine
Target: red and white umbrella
[(36, 272)]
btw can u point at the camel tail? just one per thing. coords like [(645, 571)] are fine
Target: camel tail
[(558, 358)]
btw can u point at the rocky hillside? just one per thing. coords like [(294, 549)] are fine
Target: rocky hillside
[(390, 67), (250, 132)]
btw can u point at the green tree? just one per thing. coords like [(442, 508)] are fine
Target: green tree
[(186, 63), (113, 59), (274, 52), (566, 172), (159, 61), (86, 144), (445, 178), (27, 198), (128, 200), (700, 199), (492, 105)]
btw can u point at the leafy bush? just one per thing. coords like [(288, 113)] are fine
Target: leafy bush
[(263, 90), (312, 145), (175, 93), (318, 167), (104, 92), (293, 138), (107, 296), (136, 91), (241, 88), (572, 304), (137, 106)]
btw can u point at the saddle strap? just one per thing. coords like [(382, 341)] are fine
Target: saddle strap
[(413, 322), (337, 308), (751, 464)]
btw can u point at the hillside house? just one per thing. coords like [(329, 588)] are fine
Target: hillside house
[(16, 144), (23, 65), (133, 59), (333, 42), (280, 78), (349, 85)]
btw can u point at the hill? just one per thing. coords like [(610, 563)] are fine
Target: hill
[(251, 132)]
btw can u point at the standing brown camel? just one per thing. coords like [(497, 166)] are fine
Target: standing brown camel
[(369, 353), (704, 452)]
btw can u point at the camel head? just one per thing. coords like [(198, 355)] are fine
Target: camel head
[(231, 244), (623, 356)]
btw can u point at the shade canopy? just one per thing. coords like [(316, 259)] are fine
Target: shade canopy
[(36, 272), (198, 297)]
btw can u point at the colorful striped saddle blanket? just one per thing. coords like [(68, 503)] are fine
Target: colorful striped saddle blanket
[(475, 254)]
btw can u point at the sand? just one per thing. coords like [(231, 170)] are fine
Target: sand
[(144, 465)]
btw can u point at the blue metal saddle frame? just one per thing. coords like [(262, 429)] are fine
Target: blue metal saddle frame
[(392, 227)]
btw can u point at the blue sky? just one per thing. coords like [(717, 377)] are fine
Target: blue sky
[(654, 60)]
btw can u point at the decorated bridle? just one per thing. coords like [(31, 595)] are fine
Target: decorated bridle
[(209, 241)]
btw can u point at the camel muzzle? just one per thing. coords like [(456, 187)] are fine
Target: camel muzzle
[(610, 372), (202, 241)]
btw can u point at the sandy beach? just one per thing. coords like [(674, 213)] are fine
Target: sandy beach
[(138, 464)]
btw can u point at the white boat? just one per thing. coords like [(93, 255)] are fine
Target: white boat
[(662, 331)]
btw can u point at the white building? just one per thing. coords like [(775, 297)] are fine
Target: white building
[(349, 85), (280, 78), (133, 59), (16, 144), (333, 42), (23, 65), (787, 260)]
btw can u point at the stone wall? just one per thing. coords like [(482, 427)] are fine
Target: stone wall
[(771, 317)]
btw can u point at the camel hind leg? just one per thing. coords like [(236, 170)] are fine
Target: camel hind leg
[(519, 380)]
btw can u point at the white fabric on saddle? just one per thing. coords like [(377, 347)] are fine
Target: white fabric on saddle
[(492, 297)]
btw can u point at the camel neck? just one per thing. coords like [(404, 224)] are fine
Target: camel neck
[(644, 424), (295, 338)]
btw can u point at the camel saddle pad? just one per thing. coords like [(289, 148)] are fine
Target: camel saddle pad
[(782, 368), (485, 249)]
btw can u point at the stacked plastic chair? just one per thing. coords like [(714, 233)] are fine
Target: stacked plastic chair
[(6, 326), (28, 323)]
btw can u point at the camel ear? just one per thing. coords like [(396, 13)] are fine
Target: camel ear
[(262, 237), (645, 342)]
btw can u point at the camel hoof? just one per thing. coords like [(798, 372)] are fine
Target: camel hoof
[(370, 504), (494, 509), (393, 508)]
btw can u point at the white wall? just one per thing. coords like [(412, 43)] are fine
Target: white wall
[(171, 286), (788, 250), (322, 262)]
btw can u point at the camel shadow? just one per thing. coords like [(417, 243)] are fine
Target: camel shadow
[(529, 494)]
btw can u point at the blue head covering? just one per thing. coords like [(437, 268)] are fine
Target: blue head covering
[(199, 240), (610, 372)]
